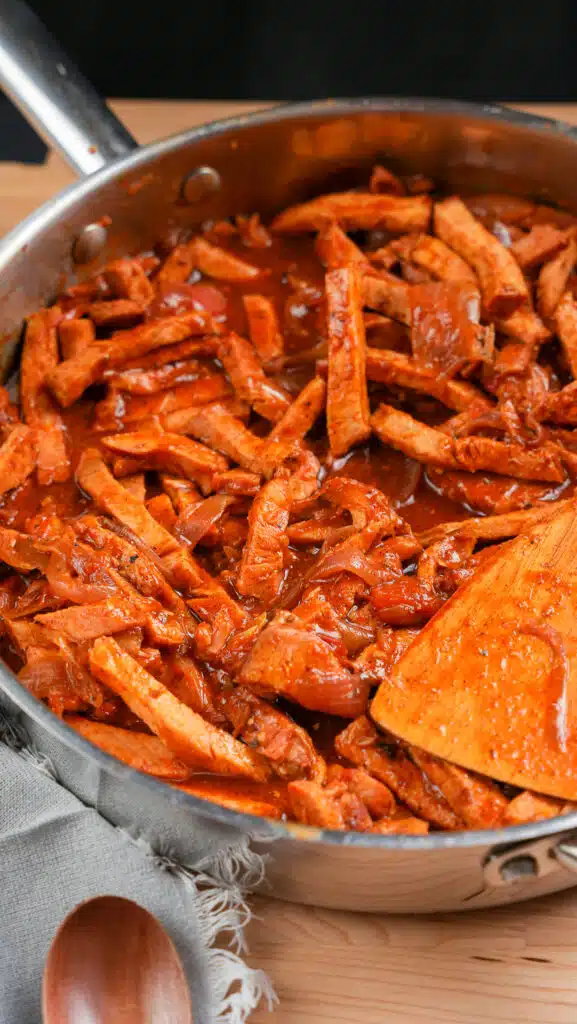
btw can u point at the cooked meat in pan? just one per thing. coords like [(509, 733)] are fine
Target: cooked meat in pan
[(239, 478)]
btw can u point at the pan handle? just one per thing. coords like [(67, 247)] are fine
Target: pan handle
[(54, 96), (512, 863)]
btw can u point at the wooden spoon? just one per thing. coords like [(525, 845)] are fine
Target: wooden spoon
[(111, 960), (491, 682)]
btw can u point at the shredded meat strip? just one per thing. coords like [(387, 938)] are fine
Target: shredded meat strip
[(250, 470)]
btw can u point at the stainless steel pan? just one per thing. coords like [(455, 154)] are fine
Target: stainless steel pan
[(262, 162)]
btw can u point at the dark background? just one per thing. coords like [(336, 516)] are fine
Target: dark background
[(310, 49), (266, 49)]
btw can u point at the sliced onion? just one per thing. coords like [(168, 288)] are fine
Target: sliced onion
[(337, 536), (71, 588), (197, 520), (126, 533), (75, 591), (306, 355), (354, 636), (58, 677), (348, 559)]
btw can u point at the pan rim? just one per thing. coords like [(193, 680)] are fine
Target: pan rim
[(52, 211), (57, 205)]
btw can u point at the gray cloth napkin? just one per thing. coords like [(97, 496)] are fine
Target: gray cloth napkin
[(55, 852)]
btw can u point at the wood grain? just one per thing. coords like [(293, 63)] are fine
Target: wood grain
[(112, 959), (23, 187), (507, 965)]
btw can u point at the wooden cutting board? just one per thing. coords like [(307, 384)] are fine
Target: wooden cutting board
[(503, 966)]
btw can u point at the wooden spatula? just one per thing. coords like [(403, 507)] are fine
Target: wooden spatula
[(491, 682)]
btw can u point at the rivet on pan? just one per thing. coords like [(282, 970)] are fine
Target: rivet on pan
[(200, 184), (89, 243), (522, 866)]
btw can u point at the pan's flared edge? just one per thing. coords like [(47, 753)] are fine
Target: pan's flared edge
[(50, 214), (266, 829), (54, 209)]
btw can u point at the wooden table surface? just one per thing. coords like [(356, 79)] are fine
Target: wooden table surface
[(517, 964)]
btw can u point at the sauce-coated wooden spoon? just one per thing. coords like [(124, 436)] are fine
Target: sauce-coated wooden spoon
[(112, 961), (490, 683)]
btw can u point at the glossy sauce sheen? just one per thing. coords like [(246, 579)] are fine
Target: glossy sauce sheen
[(393, 473), (282, 651)]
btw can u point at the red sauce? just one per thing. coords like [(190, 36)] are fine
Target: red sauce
[(390, 471), (294, 281), (173, 299)]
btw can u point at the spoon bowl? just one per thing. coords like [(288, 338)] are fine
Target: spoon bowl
[(111, 960)]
